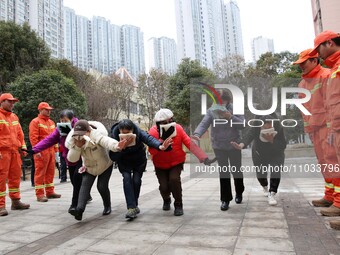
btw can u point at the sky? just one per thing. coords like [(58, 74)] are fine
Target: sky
[(288, 22)]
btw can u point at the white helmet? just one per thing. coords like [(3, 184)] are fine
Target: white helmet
[(163, 114)]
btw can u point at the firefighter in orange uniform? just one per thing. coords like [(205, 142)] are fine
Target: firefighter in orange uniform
[(314, 79), (11, 142), (327, 44), (41, 127)]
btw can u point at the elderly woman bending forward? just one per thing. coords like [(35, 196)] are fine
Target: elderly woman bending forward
[(89, 140)]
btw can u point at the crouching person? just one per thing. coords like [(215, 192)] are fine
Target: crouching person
[(90, 141), (132, 160)]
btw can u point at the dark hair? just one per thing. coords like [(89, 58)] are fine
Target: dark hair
[(67, 113), (336, 41), (225, 95), (125, 124)]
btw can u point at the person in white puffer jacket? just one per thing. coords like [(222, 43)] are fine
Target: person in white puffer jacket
[(90, 140)]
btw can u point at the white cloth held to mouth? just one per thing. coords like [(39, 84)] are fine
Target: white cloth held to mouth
[(267, 131)]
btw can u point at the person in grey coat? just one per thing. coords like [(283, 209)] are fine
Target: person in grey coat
[(227, 156)]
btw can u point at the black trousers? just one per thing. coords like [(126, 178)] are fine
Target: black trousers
[(76, 179), (229, 162), (102, 186), (272, 165)]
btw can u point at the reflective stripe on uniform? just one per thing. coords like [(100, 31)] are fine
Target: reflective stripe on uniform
[(328, 124), (336, 189), (39, 187), (329, 185), (335, 73), (316, 87), (305, 124), (24, 146), (4, 122), (14, 123), (14, 190), (49, 185), (3, 194), (53, 126), (42, 126)]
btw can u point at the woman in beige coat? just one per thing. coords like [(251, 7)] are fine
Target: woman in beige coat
[(90, 141)]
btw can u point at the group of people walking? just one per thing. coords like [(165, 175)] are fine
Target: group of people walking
[(89, 150)]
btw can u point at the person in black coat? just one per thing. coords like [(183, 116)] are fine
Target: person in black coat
[(268, 148), (132, 160)]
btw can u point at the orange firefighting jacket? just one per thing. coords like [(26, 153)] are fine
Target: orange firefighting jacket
[(333, 90), (11, 135), (41, 127), (315, 81)]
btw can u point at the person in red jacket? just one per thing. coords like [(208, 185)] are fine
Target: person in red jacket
[(39, 128), (327, 44), (11, 142), (169, 163), (314, 79)]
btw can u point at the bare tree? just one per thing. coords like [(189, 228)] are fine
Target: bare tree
[(152, 91), (108, 98)]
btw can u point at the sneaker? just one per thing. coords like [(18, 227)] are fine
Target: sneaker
[(166, 204), (178, 210), (42, 199), (131, 213), (137, 210), (331, 211), (265, 191), (271, 198), (322, 203)]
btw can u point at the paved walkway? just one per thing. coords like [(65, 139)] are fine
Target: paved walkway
[(251, 228)]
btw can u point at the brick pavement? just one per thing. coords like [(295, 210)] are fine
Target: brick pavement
[(251, 228)]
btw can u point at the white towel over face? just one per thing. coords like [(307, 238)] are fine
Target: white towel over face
[(267, 131)]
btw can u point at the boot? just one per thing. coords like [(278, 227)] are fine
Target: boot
[(78, 214), (54, 195), (42, 199), (331, 211), (107, 210), (3, 211), (18, 205), (322, 203), (178, 209), (72, 210), (166, 204), (335, 224)]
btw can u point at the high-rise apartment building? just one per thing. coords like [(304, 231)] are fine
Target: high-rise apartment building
[(326, 15), (162, 54), (70, 36), (13, 10), (132, 50), (47, 18), (233, 33), (261, 45), (208, 30)]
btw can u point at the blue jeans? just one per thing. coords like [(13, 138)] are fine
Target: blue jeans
[(132, 182)]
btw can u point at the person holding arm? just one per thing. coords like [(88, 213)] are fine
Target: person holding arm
[(132, 161), (227, 156), (58, 137), (90, 141), (267, 152), (169, 163)]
